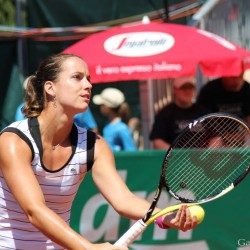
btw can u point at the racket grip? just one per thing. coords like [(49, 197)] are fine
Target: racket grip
[(134, 232)]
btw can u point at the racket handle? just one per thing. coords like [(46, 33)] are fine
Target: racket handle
[(134, 232)]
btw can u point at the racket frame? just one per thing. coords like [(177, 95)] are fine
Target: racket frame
[(149, 217)]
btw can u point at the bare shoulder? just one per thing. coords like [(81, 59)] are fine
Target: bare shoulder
[(9, 138), (102, 146), (11, 145), (103, 153)]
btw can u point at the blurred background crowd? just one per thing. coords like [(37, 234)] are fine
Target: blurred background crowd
[(31, 30)]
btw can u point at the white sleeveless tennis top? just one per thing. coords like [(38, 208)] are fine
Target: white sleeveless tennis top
[(59, 189)]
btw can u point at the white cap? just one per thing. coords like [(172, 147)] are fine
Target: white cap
[(179, 82), (109, 97)]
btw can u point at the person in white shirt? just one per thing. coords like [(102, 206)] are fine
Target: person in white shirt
[(43, 160)]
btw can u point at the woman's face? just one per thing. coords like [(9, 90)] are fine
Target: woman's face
[(105, 111), (73, 87)]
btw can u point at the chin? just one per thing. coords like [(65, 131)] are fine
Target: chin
[(80, 109)]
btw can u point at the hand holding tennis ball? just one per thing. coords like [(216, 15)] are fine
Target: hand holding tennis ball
[(198, 211)]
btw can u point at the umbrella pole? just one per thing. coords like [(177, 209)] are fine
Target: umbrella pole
[(147, 110), (165, 15)]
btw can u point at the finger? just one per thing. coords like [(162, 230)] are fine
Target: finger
[(193, 218), (183, 215), (180, 216), (191, 221)]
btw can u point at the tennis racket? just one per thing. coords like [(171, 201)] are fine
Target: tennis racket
[(208, 159)]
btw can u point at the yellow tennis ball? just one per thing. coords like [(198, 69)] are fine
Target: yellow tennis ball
[(198, 211)]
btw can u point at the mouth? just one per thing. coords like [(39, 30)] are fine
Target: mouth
[(86, 97)]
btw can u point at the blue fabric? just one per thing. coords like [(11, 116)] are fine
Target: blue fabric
[(118, 136), (19, 115), (83, 120)]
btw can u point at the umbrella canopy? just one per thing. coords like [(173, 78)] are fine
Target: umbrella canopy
[(156, 51)]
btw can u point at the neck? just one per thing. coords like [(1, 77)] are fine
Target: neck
[(54, 132), (184, 105), (114, 119), (112, 116), (54, 147)]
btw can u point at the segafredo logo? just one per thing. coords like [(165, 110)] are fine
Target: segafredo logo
[(139, 44)]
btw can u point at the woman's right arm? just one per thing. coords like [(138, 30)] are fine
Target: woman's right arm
[(15, 164)]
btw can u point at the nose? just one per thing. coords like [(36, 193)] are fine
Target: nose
[(87, 84)]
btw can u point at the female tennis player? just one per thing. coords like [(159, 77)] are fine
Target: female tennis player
[(43, 160)]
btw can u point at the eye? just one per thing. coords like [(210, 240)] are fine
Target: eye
[(77, 76), (88, 78)]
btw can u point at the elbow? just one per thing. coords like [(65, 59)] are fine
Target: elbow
[(123, 208), (33, 213)]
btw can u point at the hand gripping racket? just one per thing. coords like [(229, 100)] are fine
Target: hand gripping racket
[(207, 160)]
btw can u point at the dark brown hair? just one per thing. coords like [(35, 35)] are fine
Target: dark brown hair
[(48, 70)]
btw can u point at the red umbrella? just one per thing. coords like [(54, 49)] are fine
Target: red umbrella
[(158, 50)]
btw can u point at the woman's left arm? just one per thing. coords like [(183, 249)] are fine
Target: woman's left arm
[(116, 192)]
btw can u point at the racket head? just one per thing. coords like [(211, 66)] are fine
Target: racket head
[(208, 159)]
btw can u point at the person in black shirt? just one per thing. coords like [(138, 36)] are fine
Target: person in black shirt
[(228, 95), (177, 115)]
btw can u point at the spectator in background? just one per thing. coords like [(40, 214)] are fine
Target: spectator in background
[(227, 94), (84, 119), (19, 114), (116, 132), (177, 115)]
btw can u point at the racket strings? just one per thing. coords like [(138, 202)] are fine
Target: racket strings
[(207, 186), (208, 158), (211, 189), (190, 143), (222, 163), (225, 160)]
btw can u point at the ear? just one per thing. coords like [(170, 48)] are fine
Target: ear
[(49, 88)]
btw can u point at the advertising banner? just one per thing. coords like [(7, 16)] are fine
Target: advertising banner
[(225, 226)]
